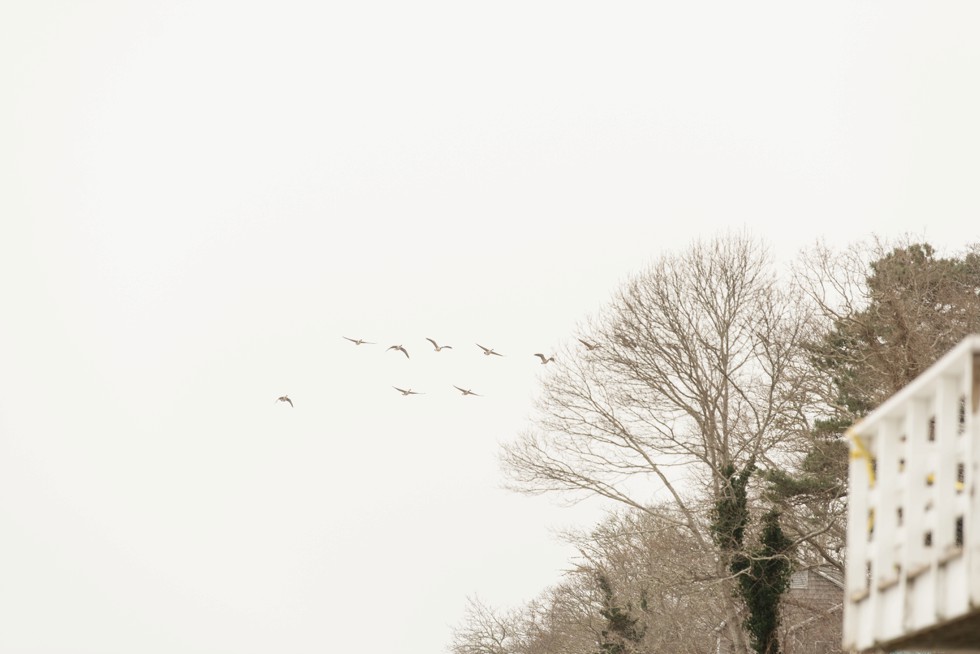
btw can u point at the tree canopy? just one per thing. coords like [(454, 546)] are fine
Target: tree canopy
[(706, 374)]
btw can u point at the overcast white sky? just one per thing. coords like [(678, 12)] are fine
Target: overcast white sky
[(199, 199)]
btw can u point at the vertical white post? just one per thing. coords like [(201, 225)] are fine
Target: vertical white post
[(859, 485), (883, 543), (916, 446), (971, 525), (944, 487)]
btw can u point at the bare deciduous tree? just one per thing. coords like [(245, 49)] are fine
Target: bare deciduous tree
[(659, 574), (484, 631), (561, 621), (698, 368), (655, 574)]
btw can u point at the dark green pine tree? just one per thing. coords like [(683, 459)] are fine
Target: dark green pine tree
[(916, 306), (912, 307)]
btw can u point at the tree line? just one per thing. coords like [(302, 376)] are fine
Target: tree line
[(712, 413)]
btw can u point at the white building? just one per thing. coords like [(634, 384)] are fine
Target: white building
[(913, 538)]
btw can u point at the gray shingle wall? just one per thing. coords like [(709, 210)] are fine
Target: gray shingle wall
[(812, 616)]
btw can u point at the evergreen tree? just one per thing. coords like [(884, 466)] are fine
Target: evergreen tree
[(912, 308), (891, 310)]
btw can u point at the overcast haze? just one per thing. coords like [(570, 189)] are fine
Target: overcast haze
[(200, 199)]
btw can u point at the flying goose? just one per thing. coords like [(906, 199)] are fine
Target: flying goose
[(406, 391), (399, 347), (438, 347), (488, 351)]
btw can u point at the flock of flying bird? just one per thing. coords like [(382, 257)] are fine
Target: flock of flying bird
[(439, 348)]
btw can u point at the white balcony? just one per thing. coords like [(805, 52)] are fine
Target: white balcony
[(913, 538)]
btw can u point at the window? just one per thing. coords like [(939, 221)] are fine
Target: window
[(800, 579)]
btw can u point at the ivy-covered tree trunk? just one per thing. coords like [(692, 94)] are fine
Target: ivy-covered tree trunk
[(730, 518), (763, 577), (622, 635), (731, 510), (762, 573)]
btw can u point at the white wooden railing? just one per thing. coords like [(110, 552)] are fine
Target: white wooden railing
[(913, 542)]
